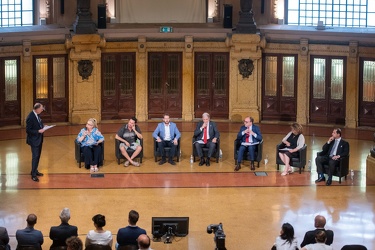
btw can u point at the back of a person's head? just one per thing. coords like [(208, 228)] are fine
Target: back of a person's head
[(144, 241), (99, 220), (65, 215), (74, 243), (31, 219), (133, 217), (320, 221), (321, 237), (287, 232)]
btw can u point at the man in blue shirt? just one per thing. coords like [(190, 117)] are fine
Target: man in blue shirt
[(129, 235), (30, 236), (167, 135)]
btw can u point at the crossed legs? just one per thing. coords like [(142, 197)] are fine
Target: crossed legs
[(138, 149)]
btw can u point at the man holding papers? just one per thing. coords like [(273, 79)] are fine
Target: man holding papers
[(34, 131), (249, 136)]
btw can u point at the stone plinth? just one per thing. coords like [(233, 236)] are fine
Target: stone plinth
[(85, 77)]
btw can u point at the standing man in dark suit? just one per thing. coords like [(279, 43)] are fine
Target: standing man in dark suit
[(249, 136), (167, 135), (34, 130), (61, 233), (319, 223), (333, 150), (30, 236), (206, 135)]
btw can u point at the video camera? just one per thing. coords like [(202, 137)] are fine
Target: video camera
[(219, 235)]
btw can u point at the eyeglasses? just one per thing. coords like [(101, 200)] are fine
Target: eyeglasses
[(90, 124), (246, 121)]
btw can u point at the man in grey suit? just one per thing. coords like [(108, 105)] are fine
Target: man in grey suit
[(60, 233), (34, 131), (30, 236), (206, 135)]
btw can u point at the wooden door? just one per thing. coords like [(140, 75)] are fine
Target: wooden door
[(327, 90), (211, 90), (164, 84), (279, 88), (51, 86), (118, 86), (10, 102), (366, 98)]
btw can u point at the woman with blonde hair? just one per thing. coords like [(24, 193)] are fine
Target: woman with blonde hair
[(291, 143), (90, 138)]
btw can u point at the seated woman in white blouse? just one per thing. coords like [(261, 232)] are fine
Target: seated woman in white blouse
[(99, 236)]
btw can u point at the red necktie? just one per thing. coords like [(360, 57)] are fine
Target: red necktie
[(247, 137), (205, 135)]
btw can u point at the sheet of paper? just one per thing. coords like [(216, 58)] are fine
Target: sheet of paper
[(46, 127), (249, 143), (284, 149)]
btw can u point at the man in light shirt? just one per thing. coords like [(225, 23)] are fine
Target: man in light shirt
[(167, 135)]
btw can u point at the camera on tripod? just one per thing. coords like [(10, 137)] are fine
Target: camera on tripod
[(219, 238)]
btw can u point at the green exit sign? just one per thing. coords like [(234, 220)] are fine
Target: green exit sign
[(166, 29)]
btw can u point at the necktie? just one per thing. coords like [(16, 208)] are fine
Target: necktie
[(40, 121), (334, 148), (247, 137), (205, 135)]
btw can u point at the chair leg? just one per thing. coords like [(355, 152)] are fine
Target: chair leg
[(118, 161), (156, 159), (178, 159), (300, 170), (339, 180), (258, 164), (277, 166)]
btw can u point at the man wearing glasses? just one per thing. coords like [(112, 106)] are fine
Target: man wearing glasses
[(250, 136)]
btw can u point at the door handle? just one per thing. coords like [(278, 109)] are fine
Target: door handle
[(166, 84)]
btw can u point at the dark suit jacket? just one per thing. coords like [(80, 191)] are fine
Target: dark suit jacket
[(212, 130), (310, 237), (342, 148), (60, 233), (4, 237), (34, 138), (256, 130), (129, 235), (29, 237)]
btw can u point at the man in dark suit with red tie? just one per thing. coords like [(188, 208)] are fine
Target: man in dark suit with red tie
[(206, 135), (34, 131), (333, 150)]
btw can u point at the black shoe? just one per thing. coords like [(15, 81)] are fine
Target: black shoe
[(329, 182), (162, 161), (172, 162), (237, 167), (320, 179), (39, 174), (202, 162), (208, 162), (34, 178)]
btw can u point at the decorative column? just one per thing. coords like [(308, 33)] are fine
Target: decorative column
[(84, 23), (246, 23), (85, 77)]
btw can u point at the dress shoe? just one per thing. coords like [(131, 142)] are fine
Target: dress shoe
[(162, 161), (208, 162), (39, 174), (237, 167), (320, 179), (172, 162), (252, 166), (202, 162), (329, 182), (34, 178)]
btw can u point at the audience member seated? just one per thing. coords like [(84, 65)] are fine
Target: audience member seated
[(319, 223), (286, 239), (74, 243), (99, 236), (61, 233), (320, 239), (90, 138), (292, 142), (249, 136), (128, 135), (144, 242), (354, 247), (167, 134), (330, 155), (4, 238), (206, 135), (128, 235), (29, 237)]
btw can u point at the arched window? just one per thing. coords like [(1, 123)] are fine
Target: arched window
[(16, 13), (337, 13)]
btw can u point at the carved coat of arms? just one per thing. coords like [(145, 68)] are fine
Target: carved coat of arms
[(85, 68), (246, 67)]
